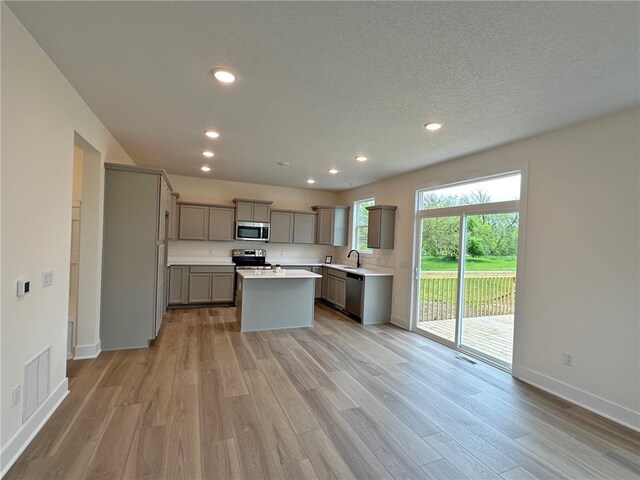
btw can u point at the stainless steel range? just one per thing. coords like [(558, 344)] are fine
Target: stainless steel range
[(250, 259)]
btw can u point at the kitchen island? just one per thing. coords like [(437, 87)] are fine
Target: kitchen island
[(270, 300)]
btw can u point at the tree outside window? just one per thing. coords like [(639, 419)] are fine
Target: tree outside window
[(361, 224)]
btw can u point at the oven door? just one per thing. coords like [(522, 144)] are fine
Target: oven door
[(252, 231)]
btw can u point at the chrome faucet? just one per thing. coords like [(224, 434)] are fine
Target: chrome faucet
[(358, 259)]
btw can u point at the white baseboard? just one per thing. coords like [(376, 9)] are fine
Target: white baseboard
[(400, 322), (83, 352), (14, 447), (605, 408)]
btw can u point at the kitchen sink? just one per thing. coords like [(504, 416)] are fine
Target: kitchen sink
[(351, 268)]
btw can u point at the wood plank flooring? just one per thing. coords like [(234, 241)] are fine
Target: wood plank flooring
[(338, 400)]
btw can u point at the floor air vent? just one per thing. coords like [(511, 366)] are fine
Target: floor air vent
[(465, 359), (36, 384)]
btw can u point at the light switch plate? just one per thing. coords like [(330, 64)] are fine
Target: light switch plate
[(47, 278)]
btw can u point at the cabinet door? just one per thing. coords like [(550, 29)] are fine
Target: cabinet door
[(222, 287), (281, 227), (261, 212), (194, 222), (178, 285), (325, 226), (200, 287), (304, 228), (244, 212), (221, 224), (341, 286), (173, 219), (325, 282), (373, 234), (331, 289), (319, 281)]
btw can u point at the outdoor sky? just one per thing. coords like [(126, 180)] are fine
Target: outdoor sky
[(501, 189)]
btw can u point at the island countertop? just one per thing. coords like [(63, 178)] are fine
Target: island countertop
[(270, 274)]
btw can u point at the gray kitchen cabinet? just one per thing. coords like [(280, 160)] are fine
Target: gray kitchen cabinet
[(222, 288), (332, 225), (281, 227), (319, 282), (293, 227), (211, 284), (252, 210), (194, 222), (221, 224), (382, 225), (336, 288), (134, 272), (325, 282), (173, 217), (304, 228), (178, 285), (200, 287)]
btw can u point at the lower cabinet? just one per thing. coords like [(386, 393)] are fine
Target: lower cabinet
[(336, 288), (201, 284), (178, 285), (319, 281)]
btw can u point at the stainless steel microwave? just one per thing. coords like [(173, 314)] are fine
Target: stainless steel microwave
[(255, 231)]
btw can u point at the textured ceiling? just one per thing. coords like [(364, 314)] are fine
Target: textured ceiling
[(320, 82)]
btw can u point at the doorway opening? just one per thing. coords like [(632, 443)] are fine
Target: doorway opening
[(83, 339), (466, 257)]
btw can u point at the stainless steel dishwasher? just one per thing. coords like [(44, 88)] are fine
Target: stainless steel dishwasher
[(354, 294)]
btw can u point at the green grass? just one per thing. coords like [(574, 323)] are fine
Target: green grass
[(474, 264)]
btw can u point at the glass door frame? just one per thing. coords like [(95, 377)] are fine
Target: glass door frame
[(463, 212)]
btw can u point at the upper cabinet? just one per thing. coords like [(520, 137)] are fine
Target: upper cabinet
[(252, 210), (382, 225), (332, 226), (293, 227), (173, 216), (221, 224), (206, 222), (304, 228), (194, 222), (281, 227)]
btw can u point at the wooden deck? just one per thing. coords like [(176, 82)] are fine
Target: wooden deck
[(492, 336)]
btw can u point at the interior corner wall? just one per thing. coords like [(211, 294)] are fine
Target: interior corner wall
[(35, 231), (579, 280)]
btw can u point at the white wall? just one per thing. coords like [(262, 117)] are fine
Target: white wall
[(36, 193), (223, 192), (580, 280)]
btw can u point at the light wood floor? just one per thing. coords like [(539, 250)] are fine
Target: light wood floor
[(492, 336), (336, 401)]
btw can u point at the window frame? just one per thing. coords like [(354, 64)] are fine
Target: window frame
[(355, 226)]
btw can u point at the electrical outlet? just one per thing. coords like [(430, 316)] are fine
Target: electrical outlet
[(211, 251), (567, 359), (15, 395)]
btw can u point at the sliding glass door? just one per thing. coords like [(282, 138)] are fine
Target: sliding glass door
[(466, 260)]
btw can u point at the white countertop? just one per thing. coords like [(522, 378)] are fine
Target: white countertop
[(267, 274), (365, 272), (225, 262)]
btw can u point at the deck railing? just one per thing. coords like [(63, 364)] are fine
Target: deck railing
[(486, 294)]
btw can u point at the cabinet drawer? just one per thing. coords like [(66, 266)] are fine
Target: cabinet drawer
[(337, 273), (212, 269)]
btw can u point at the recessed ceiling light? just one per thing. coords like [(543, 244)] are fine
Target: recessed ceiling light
[(211, 133), (208, 154), (311, 180), (333, 171), (433, 126), (361, 158), (224, 75), (284, 164), (205, 168)]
